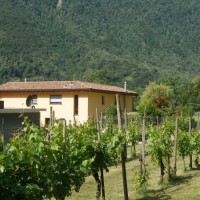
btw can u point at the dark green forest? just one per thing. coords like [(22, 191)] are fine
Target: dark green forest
[(106, 41)]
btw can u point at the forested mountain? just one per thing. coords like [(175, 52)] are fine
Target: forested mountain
[(107, 41)]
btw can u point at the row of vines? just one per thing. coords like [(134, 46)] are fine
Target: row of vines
[(166, 139), (41, 163), (45, 162)]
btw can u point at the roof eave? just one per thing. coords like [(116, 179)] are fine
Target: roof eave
[(72, 90)]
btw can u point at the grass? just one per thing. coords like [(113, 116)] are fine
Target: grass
[(183, 187)]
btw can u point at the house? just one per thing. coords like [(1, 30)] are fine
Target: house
[(70, 100)]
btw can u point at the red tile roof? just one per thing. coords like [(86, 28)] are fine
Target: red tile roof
[(66, 86)]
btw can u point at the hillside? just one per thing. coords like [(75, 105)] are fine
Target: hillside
[(107, 41)]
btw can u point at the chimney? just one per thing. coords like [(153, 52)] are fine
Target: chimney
[(125, 87)]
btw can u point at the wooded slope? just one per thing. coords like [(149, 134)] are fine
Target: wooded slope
[(107, 41)]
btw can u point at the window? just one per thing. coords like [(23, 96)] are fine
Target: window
[(55, 99), (47, 121), (115, 101), (34, 99), (102, 100), (76, 105)]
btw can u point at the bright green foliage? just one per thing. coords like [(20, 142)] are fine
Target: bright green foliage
[(160, 146), (20, 165), (111, 114), (34, 167), (183, 123), (196, 141), (112, 143), (44, 163), (159, 143), (184, 144), (185, 147), (134, 134), (141, 182), (195, 145), (169, 125), (96, 153), (187, 142)]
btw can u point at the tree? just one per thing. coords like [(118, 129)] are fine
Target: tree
[(156, 100), (41, 41), (103, 76)]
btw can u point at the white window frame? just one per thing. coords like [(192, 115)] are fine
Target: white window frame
[(55, 99), (34, 100)]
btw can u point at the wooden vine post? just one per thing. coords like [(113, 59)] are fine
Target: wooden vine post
[(190, 133), (64, 131), (143, 148), (3, 134), (51, 123), (99, 128), (64, 137), (51, 116), (175, 145), (125, 120), (123, 156)]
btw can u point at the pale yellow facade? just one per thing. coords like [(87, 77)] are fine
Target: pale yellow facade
[(95, 102), (88, 102)]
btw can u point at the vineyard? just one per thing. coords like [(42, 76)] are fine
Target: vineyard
[(184, 187), (59, 160)]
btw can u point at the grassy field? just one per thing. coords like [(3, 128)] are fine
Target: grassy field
[(184, 187)]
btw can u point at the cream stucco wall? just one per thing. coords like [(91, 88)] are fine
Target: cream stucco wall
[(95, 102), (64, 110), (87, 102)]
